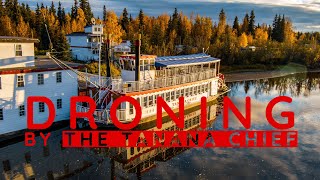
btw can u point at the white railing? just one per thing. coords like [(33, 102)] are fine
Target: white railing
[(103, 115), (136, 86)]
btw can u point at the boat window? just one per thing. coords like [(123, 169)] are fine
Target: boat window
[(182, 93), (168, 96), (172, 95), (190, 91), (145, 101), (150, 100), (206, 88), (138, 100), (178, 94), (130, 108), (195, 90)]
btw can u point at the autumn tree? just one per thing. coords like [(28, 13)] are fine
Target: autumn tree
[(243, 40), (113, 27), (23, 29)]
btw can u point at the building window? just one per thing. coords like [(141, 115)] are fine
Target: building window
[(40, 79), (187, 92), (199, 90), (20, 81), (59, 103), (59, 77), (95, 29), (1, 114), (191, 91), (195, 90), (22, 111), (0, 84), (41, 107), (18, 50)]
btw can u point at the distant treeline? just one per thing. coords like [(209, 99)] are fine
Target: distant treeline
[(241, 43)]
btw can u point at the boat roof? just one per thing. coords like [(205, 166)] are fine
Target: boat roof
[(193, 59)]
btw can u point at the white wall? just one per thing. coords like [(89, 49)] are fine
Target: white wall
[(8, 57), (11, 97), (80, 48)]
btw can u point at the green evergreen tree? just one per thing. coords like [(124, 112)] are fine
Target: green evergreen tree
[(245, 24), (125, 20), (251, 25), (85, 6), (141, 20), (236, 25), (52, 9)]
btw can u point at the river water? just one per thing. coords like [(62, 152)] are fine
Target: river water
[(303, 162)]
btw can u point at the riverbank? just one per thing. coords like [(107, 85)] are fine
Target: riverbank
[(256, 74)]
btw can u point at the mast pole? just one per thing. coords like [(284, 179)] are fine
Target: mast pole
[(100, 43)]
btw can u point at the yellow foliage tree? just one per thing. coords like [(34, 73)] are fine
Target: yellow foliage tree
[(243, 40), (7, 27), (261, 36), (23, 28), (113, 27)]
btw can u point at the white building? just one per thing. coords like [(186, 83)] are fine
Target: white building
[(21, 76), (124, 47), (85, 45)]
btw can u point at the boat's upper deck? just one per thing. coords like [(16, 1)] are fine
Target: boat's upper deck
[(168, 71)]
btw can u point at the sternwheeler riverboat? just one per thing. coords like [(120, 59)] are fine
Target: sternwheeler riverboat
[(145, 77)]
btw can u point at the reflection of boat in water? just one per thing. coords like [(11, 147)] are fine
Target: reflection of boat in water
[(55, 162), (137, 160)]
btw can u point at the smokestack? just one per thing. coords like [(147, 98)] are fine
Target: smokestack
[(108, 56), (137, 49)]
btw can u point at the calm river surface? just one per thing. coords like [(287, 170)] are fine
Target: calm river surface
[(54, 162)]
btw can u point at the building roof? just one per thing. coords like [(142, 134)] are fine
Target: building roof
[(78, 34), (18, 39), (194, 59), (42, 64)]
